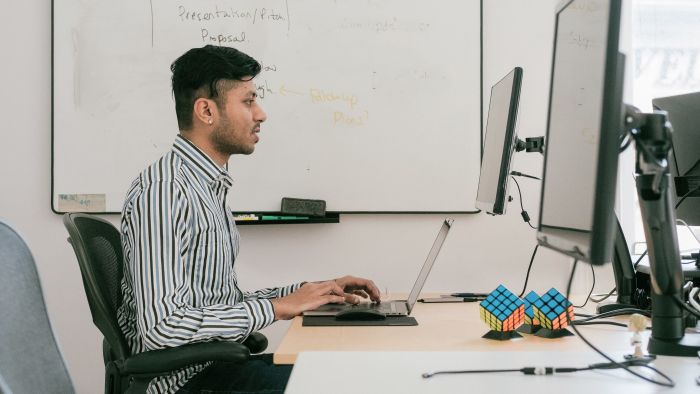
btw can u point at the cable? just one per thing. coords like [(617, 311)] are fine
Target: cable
[(669, 382), (529, 267), (589, 293), (555, 370), (618, 312), (686, 195), (692, 298), (605, 297), (431, 374), (686, 306), (516, 173), (639, 260), (524, 214), (681, 221), (590, 323)]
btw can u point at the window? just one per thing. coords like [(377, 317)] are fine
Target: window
[(664, 52)]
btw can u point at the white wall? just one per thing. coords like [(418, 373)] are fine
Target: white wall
[(480, 253)]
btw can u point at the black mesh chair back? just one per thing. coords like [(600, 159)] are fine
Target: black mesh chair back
[(30, 360), (97, 245)]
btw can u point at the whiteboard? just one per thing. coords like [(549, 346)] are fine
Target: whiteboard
[(373, 105)]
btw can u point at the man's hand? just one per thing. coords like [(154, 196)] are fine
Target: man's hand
[(354, 287), (309, 296)]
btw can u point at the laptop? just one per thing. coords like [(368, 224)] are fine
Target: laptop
[(397, 307)]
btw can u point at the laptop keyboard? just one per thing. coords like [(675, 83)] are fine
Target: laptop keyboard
[(388, 308)]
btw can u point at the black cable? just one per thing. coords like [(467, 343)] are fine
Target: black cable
[(669, 382), (529, 267), (686, 195), (605, 297), (590, 292), (685, 306), (431, 374), (618, 312), (639, 260), (591, 323), (517, 173), (555, 370), (523, 213)]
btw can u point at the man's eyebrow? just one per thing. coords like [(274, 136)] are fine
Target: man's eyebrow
[(252, 94)]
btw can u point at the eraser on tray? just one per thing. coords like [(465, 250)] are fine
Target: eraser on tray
[(300, 206)]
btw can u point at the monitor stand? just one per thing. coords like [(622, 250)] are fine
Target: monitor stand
[(652, 136)]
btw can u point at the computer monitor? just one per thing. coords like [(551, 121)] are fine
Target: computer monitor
[(684, 114), (583, 141), (499, 143), (583, 129)]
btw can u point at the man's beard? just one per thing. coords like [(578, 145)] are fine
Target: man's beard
[(224, 141)]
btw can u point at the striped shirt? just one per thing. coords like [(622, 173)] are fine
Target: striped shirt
[(180, 245)]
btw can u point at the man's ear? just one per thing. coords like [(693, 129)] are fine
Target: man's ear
[(205, 111)]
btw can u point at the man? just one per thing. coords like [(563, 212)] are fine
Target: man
[(180, 240)]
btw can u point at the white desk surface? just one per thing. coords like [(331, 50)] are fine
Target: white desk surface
[(339, 372)]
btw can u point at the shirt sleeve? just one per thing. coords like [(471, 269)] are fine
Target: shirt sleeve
[(272, 292), (158, 231)]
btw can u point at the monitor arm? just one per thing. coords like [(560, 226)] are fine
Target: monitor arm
[(652, 136), (531, 144)]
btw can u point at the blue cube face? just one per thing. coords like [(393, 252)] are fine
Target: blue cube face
[(502, 310), (531, 297), (551, 310)]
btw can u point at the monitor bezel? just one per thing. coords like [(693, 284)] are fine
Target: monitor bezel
[(597, 249), (498, 206)]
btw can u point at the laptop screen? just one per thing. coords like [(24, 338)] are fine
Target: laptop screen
[(429, 261)]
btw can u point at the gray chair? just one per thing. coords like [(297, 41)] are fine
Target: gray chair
[(30, 360), (3, 387)]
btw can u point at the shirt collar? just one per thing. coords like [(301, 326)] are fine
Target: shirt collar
[(200, 163)]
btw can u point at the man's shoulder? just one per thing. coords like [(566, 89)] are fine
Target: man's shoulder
[(166, 170)]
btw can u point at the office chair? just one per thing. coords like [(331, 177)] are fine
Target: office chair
[(30, 360), (97, 245), (3, 387)]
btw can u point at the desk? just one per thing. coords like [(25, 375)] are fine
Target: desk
[(400, 372), (448, 336), (441, 327)]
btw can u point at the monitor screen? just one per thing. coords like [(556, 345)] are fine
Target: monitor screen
[(499, 143), (684, 114), (583, 128)]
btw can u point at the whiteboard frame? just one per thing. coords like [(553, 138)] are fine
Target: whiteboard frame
[(481, 128)]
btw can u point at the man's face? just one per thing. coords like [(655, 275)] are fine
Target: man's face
[(239, 122)]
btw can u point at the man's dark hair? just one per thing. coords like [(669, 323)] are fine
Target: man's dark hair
[(202, 72)]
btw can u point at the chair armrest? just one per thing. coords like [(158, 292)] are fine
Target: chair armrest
[(256, 342), (164, 361)]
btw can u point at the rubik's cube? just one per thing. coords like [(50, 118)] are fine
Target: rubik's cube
[(529, 300), (551, 310), (502, 310)]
